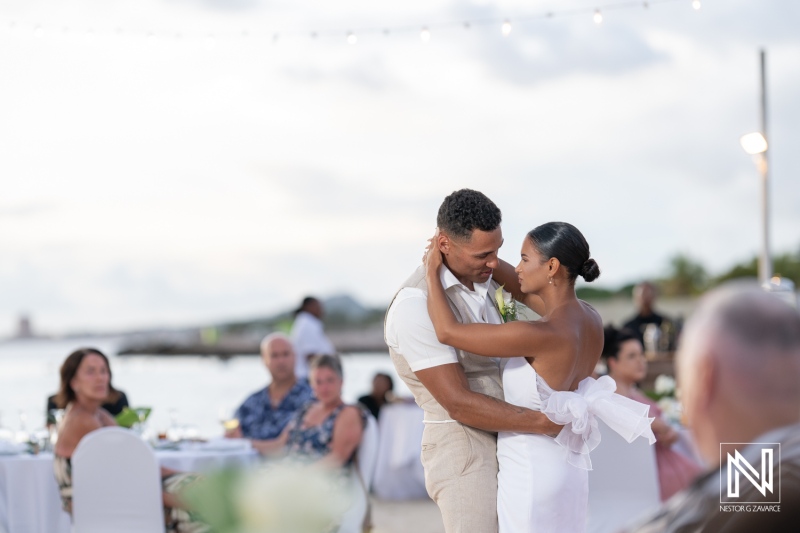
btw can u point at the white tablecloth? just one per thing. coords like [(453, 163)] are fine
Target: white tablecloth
[(29, 500), (399, 474)]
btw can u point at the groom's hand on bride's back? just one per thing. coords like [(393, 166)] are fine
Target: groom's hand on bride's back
[(448, 384)]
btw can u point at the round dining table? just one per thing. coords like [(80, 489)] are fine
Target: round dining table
[(29, 499)]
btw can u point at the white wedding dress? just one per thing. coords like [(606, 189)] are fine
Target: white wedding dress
[(543, 483)]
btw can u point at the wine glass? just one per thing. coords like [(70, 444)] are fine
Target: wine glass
[(229, 423), (22, 434), (5, 433)]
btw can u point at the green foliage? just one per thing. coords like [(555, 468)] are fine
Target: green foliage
[(785, 265), (686, 277), (211, 497)]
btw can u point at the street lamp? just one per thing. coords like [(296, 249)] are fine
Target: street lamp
[(756, 145)]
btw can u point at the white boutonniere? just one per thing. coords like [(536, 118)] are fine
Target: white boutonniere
[(506, 304)]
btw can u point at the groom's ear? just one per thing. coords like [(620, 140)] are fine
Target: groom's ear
[(443, 242)]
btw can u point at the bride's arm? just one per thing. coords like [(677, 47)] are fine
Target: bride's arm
[(513, 339), (506, 276)]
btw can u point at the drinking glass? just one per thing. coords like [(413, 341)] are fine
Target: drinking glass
[(5, 433)]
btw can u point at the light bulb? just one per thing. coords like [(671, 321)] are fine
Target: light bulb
[(506, 28), (696, 5), (598, 17), (754, 143), (38, 31), (351, 38), (425, 35)]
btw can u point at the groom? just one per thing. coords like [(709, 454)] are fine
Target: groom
[(461, 393)]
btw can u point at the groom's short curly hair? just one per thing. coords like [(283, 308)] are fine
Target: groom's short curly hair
[(467, 210)]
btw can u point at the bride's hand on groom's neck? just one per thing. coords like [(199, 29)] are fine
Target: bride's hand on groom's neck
[(433, 256)]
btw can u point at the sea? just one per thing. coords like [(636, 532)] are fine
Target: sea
[(192, 393)]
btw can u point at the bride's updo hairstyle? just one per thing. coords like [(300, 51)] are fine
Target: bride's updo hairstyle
[(564, 242)]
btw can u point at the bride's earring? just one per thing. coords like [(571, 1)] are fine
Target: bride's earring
[(551, 281)]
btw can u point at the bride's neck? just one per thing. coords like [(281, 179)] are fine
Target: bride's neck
[(554, 296)]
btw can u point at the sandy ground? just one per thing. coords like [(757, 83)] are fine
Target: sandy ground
[(417, 516)]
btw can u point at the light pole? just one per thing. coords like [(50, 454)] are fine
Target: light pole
[(756, 144)]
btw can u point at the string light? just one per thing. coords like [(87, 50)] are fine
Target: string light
[(425, 32), (425, 35)]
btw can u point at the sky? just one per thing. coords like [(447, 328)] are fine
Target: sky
[(180, 162)]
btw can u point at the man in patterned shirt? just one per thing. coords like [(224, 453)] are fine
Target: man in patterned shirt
[(265, 413)]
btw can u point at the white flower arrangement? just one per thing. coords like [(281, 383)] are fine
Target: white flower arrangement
[(281, 497), (664, 385), (505, 304)]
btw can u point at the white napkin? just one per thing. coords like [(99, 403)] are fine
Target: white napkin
[(11, 448), (226, 445)]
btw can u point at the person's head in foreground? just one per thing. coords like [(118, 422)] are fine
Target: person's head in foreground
[(554, 253), (469, 235), (85, 377), (739, 367), (278, 356)]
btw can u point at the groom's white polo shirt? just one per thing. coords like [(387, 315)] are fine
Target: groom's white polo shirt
[(409, 330)]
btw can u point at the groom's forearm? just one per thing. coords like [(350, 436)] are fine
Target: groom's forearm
[(449, 386), (492, 414)]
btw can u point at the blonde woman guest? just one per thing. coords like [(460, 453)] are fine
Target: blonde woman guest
[(327, 430), (85, 379), (627, 365)]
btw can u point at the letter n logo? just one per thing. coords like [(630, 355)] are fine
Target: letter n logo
[(738, 472)]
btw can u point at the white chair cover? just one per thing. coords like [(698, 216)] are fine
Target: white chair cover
[(399, 474), (366, 459), (116, 484), (623, 485)]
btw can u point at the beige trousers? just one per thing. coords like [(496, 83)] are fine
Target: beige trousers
[(461, 476)]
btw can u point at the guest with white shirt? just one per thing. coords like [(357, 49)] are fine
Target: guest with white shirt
[(308, 336)]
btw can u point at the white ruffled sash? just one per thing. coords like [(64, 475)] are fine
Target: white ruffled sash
[(579, 410)]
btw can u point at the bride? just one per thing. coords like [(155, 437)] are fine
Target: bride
[(543, 482)]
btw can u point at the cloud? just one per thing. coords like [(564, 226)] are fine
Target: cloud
[(545, 49)]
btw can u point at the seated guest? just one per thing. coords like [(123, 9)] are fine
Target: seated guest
[(327, 430), (382, 386), (739, 370), (627, 365), (265, 413), (85, 378), (114, 404)]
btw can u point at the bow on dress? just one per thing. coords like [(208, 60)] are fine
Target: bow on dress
[(579, 410)]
